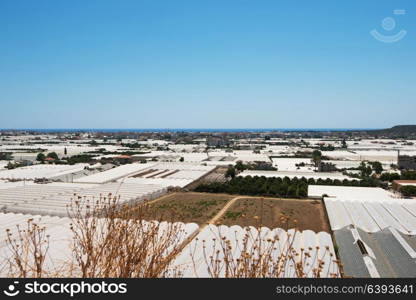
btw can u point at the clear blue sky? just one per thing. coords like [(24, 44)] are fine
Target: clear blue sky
[(205, 64)]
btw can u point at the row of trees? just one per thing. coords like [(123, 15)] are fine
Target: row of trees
[(367, 169), (5, 156), (264, 166), (405, 175), (240, 166), (81, 158), (277, 187), (248, 185)]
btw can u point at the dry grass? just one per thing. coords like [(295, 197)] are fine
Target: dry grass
[(112, 240), (28, 251), (108, 241)]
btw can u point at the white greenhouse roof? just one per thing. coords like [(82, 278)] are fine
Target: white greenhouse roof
[(115, 173), (193, 263), (372, 216), (166, 182), (41, 171), (351, 193), (53, 200), (289, 164)]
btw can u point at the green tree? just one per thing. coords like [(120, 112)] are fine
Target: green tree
[(53, 155), (40, 157), (377, 167), (230, 172), (240, 166), (390, 176), (316, 158), (365, 170)]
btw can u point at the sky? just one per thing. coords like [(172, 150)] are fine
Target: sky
[(206, 64)]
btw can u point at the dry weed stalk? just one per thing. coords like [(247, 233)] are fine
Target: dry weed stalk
[(114, 240), (260, 255), (111, 241), (257, 256), (108, 240), (27, 251)]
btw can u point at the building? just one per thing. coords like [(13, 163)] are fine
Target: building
[(406, 187), (215, 141), (406, 162), (124, 159)]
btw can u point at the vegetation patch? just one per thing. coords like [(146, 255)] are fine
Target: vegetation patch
[(277, 187), (273, 213), (187, 207)]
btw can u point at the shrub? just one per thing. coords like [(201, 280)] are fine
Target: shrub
[(408, 190), (108, 241)]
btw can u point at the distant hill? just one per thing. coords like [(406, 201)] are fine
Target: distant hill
[(401, 131)]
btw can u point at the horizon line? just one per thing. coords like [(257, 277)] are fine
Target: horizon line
[(196, 128)]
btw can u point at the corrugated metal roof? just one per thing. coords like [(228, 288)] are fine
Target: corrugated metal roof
[(392, 260), (350, 255), (387, 252)]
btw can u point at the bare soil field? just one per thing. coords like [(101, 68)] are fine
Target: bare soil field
[(273, 212), (201, 208), (187, 207)]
